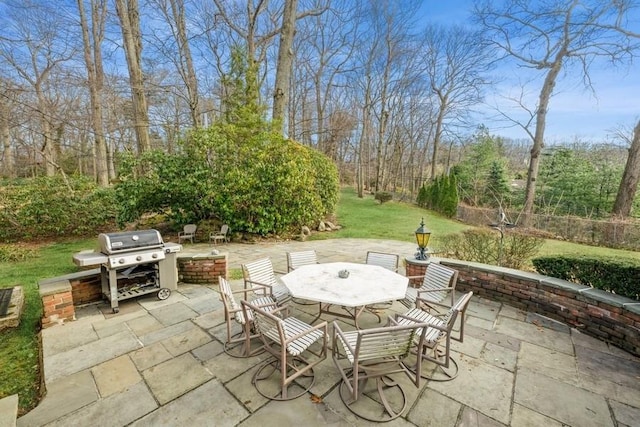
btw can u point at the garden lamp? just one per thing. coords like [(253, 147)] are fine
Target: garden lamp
[(422, 237)]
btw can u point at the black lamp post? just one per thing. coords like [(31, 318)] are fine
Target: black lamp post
[(422, 237)]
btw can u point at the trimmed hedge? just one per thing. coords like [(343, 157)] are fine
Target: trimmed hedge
[(620, 276)]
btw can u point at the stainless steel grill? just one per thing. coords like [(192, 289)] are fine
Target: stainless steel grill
[(133, 263)]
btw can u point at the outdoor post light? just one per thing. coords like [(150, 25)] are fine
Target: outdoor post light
[(422, 237)]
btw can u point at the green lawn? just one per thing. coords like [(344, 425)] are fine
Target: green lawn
[(359, 218)]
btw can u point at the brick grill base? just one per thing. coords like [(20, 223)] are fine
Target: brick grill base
[(61, 294)]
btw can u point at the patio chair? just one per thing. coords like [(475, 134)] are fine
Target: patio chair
[(438, 282), (296, 348), (260, 276), (376, 354), (222, 235), (382, 259), (436, 347), (239, 344), (298, 259), (188, 233)]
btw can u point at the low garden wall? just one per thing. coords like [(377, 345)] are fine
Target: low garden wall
[(598, 313), (60, 295)]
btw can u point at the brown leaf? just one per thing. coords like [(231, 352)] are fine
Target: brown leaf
[(315, 398)]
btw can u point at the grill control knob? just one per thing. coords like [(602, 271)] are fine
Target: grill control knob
[(139, 258), (154, 256), (121, 260)]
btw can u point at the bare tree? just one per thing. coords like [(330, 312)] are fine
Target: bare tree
[(6, 104), (129, 16), (630, 177), (456, 65), (551, 37), (95, 77), (179, 52), (35, 44), (285, 60)]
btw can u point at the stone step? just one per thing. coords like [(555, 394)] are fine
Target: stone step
[(8, 411)]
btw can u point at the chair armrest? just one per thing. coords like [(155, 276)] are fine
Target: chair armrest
[(337, 331), (415, 277), (322, 325)]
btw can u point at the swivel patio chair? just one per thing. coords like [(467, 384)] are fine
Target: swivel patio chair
[(438, 283), (436, 347), (382, 259), (188, 233), (222, 235), (298, 259), (296, 348), (260, 276), (376, 354), (239, 344)]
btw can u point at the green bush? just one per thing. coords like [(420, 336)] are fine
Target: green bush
[(485, 246), (441, 195), (49, 207), (383, 196), (261, 185), (620, 276), (15, 253)]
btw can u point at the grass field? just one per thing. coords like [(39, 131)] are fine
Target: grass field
[(359, 218)]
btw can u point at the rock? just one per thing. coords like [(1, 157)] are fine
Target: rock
[(306, 231), (322, 226), (330, 225)]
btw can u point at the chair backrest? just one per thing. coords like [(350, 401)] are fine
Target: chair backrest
[(265, 323), (386, 260), (259, 271), (437, 277), (300, 258), (388, 341), (229, 301), (224, 229), (190, 229)]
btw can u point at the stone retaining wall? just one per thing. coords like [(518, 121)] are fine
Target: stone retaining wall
[(603, 315)]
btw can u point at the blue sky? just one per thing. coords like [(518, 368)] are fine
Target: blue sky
[(574, 111)]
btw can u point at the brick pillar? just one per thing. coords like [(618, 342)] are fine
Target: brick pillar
[(202, 268), (415, 268), (57, 303)]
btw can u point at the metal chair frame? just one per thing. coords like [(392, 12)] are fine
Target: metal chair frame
[(436, 347), (438, 282), (376, 354), (288, 340), (260, 276), (239, 344)]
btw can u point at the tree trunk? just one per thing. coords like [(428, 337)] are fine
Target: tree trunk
[(95, 77), (8, 162), (630, 178), (129, 15), (285, 62), (438, 134), (538, 138)]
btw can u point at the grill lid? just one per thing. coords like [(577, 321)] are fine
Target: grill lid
[(111, 243)]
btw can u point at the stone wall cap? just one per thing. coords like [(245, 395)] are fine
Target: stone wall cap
[(71, 276), (554, 282), (606, 297), (633, 307), (202, 255), (54, 287)]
